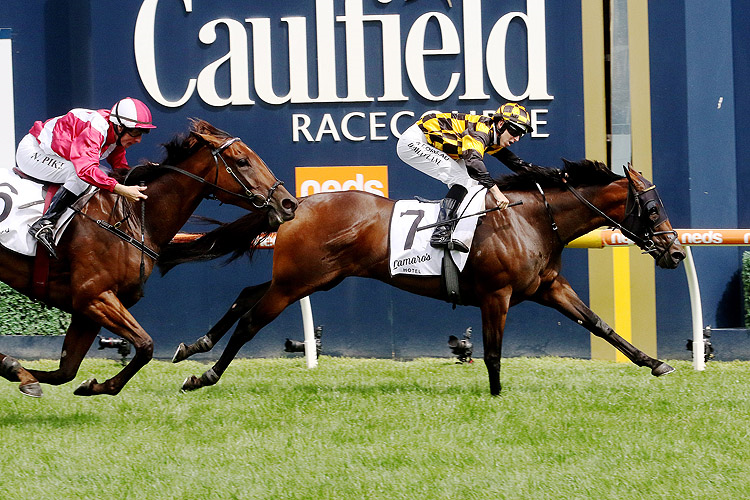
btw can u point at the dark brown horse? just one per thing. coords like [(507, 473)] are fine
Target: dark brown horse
[(515, 255), (98, 275)]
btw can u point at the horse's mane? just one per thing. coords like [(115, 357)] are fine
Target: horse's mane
[(179, 149), (577, 173)]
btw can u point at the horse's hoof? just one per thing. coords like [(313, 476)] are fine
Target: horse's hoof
[(661, 369), (33, 390), (191, 383), (86, 388), (180, 354)]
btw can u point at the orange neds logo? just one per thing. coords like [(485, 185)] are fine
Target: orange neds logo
[(311, 180)]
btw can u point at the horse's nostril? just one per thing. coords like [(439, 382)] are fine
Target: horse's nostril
[(289, 204), (678, 256)]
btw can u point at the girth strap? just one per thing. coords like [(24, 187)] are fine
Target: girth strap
[(40, 275)]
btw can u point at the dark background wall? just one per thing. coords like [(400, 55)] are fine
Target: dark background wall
[(77, 53)]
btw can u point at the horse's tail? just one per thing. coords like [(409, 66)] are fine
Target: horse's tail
[(238, 238)]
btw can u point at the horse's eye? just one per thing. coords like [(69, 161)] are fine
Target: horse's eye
[(653, 213), (243, 162)]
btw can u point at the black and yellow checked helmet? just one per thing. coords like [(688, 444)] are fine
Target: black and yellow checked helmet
[(514, 113)]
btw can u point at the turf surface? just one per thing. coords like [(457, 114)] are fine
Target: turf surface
[(380, 429)]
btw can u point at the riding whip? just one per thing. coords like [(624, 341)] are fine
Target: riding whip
[(451, 221)]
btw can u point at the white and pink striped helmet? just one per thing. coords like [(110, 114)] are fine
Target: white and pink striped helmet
[(131, 113)]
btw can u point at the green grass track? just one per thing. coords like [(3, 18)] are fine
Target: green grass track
[(379, 429)]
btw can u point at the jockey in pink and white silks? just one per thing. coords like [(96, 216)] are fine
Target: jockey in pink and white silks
[(67, 150)]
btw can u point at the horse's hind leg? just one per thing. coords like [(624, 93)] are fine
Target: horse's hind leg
[(494, 309), (560, 295), (244, 302), (78, 339), (11, 369), (265, 310)]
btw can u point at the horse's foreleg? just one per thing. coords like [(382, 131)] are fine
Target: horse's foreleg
[(11, 369), (494, 309), (265, 310), (108, 311), (78, 338), (561, 296), (244, 302)]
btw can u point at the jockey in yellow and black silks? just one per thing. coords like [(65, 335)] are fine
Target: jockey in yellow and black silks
[(450, 147)]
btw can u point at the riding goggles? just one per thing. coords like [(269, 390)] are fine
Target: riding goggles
[(136, 132), (513, 129)]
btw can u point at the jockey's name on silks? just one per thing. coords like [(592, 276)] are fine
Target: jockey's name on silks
[(92, 127)]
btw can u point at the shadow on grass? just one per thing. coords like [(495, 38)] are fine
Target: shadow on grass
[(46, 420), (384, 388)]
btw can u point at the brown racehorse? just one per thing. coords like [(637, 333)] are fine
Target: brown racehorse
[(515, 255), (98, 275)]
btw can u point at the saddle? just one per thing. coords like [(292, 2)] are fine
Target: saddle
[(409, 247), (25, 199)]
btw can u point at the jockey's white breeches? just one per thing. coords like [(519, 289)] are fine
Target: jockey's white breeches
[(31, 160), (416, 152)]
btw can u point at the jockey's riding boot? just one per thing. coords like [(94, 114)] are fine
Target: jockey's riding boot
[(43, 229), (441, 236)]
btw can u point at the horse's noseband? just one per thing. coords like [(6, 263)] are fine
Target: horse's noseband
[(249, 194)]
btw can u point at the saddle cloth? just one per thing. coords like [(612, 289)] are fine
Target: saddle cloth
[(22, 204), (410, 250)]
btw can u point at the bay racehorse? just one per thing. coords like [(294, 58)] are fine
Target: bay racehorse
[(98, 275), (515, 255)]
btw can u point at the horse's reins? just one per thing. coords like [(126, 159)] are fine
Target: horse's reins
[(216, 153), (646, 244)]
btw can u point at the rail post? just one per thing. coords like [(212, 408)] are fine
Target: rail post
[(699, 359)]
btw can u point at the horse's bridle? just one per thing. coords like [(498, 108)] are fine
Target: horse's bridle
[(249, 195), (216, 153), (643, 204)]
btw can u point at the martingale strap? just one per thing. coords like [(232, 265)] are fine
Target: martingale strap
[(120, 234), (126, 238), (549, 212)]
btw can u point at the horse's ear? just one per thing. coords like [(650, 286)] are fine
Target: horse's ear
[(204, 130), (206, 138), (627, 169)]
